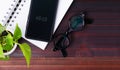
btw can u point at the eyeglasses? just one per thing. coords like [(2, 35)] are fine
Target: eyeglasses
[(62, 41)]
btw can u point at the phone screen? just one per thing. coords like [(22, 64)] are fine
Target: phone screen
[(41, 19)]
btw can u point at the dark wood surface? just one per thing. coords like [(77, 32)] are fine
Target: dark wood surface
[(97, 47)]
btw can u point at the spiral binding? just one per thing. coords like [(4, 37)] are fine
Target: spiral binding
[(16, 5)]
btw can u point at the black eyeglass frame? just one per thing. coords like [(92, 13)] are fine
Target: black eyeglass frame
[(60, 43)]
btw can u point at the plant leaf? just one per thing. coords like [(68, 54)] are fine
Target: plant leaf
[(6, 58), (9, 40), (26, 50), (2, 56), (17, 33), (2, 28), (1, 52)]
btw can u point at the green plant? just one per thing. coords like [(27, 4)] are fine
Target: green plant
[(8, 40)]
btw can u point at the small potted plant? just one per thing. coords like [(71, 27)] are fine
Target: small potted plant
[(9, 42)]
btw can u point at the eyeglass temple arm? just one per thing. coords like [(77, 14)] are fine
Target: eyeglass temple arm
[(64, 52)]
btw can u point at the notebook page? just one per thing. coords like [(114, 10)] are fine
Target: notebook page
[(5, 8)]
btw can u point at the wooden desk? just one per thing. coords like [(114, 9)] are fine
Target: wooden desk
[(97, 47)]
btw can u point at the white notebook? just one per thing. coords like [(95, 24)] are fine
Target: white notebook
[(16, 11)]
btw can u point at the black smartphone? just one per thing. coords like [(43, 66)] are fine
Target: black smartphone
[(41, 19)]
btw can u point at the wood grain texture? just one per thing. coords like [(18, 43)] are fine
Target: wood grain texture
[(97, 47), (71, 63)]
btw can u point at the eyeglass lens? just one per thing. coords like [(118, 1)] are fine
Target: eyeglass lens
[(77, 22), (62, 41)]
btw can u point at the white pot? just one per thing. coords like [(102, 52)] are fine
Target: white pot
[(11, 51)]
